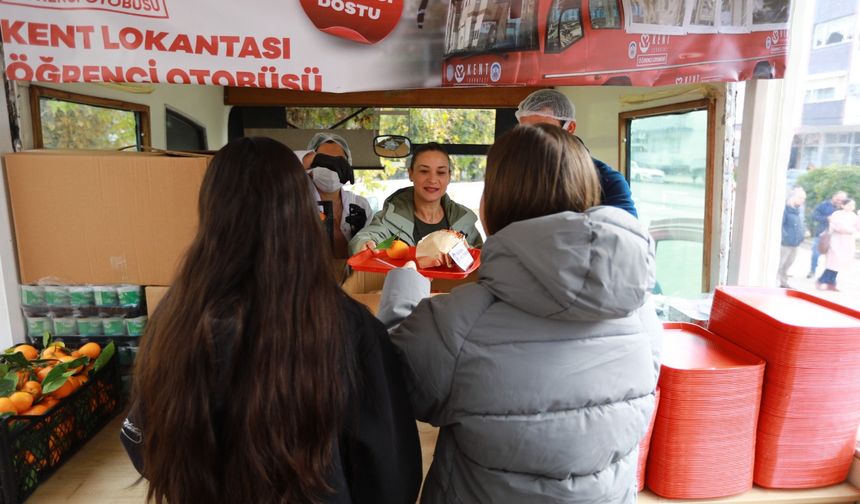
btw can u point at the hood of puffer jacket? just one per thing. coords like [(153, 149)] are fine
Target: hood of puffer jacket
[(594, 265)]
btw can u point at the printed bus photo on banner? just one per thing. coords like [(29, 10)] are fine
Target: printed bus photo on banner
[(614, 42), (366, 45)]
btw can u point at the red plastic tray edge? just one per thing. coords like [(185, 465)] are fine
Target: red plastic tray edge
[(725, 294), (364, 261), (731, 348)]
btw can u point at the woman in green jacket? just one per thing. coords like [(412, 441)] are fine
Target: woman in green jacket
[(414, 212)]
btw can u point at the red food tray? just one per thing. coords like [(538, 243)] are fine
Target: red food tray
[(703, 440), (381, 263), (810, 405), (645, 443)]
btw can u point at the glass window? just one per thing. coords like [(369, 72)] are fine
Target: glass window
[(457, 129), (825, 94), (446, 126), (604, 14), (770, 11), (834, 155), (809, 156), (667, 178), (855, 155), (732, 13), (183, 133), (834, 138), (564, 25), (659, 13), (703, 13), (72, 121), (832, 32), (481, 26)]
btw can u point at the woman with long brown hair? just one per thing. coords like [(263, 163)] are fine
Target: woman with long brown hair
[(541, 375), (258, 379)]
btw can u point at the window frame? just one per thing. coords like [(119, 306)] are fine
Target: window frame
[(38, 92), (624, 145), (201, 129), (847, 36)]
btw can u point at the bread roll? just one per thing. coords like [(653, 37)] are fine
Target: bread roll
[(432, 250)]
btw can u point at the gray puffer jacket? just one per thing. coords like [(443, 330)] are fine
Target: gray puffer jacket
[(541, 375)]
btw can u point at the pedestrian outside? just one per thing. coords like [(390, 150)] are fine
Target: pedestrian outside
[(820, 216), (844, 226), (793, 233)]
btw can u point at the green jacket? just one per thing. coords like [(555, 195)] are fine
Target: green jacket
[(397, 218)]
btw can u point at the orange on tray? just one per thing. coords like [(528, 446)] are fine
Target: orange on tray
[(399, 250)]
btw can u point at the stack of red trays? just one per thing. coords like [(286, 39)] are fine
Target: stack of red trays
[(704, 435), (810, 405), (645, 444)]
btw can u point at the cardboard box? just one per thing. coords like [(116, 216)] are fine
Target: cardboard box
[(101, 216), (154, 293)]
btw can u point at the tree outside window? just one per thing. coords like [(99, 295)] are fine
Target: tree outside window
[(63, 120)]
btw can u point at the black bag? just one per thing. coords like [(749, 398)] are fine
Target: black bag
[(824, 242)]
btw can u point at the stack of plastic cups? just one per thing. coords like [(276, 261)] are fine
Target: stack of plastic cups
[(645, 444), (811, 400), (704, 436)]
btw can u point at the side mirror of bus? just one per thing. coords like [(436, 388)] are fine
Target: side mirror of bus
[(392, 146)]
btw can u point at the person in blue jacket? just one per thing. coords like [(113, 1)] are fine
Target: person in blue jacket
[(552, 107), (793, 232)]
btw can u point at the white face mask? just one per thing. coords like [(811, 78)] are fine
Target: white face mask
[(326, 180)]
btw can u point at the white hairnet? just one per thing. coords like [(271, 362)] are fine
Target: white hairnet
[(321, 138), (547, 103)]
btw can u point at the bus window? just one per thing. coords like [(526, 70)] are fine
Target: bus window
[(732, 14), (604, 14), (491, 25), (703, 13), (770, 11), (664, 13), (564, 25)]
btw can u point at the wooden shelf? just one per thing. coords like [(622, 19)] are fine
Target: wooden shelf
[(832, 494)]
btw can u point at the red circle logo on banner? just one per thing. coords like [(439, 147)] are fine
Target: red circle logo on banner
[(364, 21)]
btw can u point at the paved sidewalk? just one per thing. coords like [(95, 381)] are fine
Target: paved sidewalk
[(848, 282)]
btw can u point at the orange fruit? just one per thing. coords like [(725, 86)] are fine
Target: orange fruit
[(21, 400), (7, 406), (34, 388), (48, 402), (91, 350), (29, 352), (36, 410), (65, 389), (69, 358), (398, 249), (29, 457), (42, 373), (55, 350)]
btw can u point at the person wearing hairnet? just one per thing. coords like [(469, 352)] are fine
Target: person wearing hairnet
[(329, 164), (552, 107)]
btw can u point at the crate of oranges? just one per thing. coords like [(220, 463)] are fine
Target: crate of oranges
[(51, 402)]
